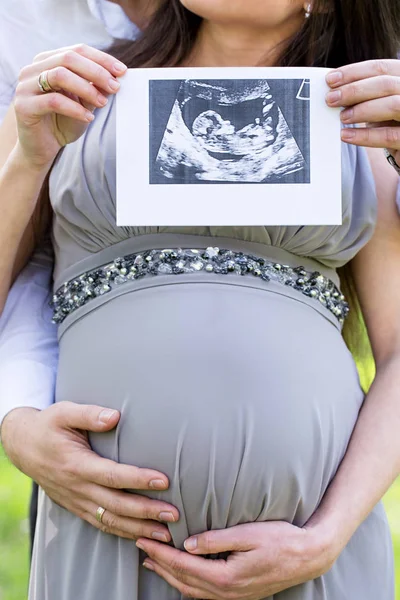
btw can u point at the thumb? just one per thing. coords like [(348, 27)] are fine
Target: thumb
[(223, 540), (86, 416)]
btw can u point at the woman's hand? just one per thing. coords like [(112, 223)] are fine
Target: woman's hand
[(370, 93), (266, 558), (51, 447), (82, 78)]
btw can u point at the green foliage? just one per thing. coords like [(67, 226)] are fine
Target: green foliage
[(14, 544)]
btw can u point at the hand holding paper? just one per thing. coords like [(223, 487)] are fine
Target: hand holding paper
[(369, 91)]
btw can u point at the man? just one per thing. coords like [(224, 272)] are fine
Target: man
[(28, 339)]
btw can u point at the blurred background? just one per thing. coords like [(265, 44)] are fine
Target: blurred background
[(14, 543)]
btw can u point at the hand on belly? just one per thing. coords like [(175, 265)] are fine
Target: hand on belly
[(264, 559)]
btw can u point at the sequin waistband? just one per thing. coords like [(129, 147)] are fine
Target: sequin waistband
[(84, 288)]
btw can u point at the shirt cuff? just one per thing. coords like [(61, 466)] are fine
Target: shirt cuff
[(25, 383)]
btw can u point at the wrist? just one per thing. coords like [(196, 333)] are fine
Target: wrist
[(327, 538), (36, 166), (13, 433)]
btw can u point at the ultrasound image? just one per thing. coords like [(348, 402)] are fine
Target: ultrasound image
[(229, 131)]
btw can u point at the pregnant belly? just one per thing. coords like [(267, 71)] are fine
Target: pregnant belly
[(245, 398)]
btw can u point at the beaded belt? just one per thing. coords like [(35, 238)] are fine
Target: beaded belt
[(86, 287)]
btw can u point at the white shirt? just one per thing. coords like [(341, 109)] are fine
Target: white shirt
[(28, 339)]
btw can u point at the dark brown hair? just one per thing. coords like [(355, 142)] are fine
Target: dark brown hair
[(338, 32)]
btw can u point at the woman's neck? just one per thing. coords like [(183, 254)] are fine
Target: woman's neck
[(234, 46)]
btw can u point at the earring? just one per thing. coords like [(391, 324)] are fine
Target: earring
[(308, 9)]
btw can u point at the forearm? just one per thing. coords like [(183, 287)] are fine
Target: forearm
[(18, 421), (20, 187), (372, 461), (28, 339)]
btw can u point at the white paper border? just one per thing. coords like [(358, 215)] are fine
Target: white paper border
[(142, 204)]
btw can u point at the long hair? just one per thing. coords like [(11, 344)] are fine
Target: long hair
[(338, 32)]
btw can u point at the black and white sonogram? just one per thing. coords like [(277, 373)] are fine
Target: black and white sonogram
[(229, 131)]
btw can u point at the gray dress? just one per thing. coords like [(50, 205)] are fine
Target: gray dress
[(242, 391)]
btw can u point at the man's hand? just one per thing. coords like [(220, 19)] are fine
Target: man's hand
[(52, 448), (266, 558)]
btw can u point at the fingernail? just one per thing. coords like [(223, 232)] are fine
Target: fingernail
[(114, 84), (334, 77), (347, 114), (102, 100), (140, 546), (348, 134), (148, 565), (166, 516), (89, 117), (158, 484), (334, 97), (120, 67), (191, 543), (107, 413), (161, 537)]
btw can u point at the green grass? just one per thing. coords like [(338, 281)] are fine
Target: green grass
[(14, 544)]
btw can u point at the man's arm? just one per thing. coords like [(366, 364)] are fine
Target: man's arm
[(28, 340)]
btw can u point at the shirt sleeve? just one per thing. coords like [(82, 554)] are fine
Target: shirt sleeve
[(8, 79), (6, 93), (28, 340)]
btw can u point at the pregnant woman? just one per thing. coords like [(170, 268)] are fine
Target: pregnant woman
[(239, 388)]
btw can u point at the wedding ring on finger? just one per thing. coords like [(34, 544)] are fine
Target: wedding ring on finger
[(100, 514), (43, 83)]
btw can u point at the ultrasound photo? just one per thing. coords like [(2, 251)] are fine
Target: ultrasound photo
[(229, 131)]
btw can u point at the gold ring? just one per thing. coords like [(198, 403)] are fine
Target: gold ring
[(100, 514), (43, 83)]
